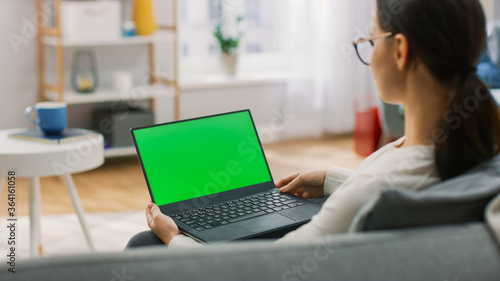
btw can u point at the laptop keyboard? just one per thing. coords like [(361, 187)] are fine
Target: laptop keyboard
[(237, 210)]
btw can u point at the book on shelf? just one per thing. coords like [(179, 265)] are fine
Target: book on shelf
[(68, 135)]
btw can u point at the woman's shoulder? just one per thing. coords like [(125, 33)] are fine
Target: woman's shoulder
[(392, 154), (394, 166)]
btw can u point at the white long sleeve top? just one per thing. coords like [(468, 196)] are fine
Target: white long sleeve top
[(391, 166)]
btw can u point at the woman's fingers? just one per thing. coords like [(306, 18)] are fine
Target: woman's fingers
[(155, 211), (152, 212), (293, 185), (306, 195), (149, 215), (287, 180)]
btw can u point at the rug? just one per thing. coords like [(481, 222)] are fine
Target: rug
[(62, 234)]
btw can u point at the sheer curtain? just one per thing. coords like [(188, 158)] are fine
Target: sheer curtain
[(325, 73)]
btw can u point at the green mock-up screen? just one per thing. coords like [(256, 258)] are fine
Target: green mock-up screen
[(200, 157)]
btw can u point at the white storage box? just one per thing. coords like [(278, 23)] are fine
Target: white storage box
[(90, 19)]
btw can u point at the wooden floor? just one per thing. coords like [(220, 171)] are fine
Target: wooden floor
[(119, 184)]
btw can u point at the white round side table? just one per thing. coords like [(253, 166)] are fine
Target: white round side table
[(31, 159)]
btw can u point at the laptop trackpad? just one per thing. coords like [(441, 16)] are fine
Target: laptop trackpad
[(264, 223)]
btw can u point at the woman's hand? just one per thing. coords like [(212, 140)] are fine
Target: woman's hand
[(162, 225), (307, 184)]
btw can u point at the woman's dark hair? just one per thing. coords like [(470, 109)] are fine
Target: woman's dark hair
[(448, 37)]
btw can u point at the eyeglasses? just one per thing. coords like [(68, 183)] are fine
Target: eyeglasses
[(364, 47)]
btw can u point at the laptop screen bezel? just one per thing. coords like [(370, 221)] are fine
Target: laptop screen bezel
[(206, 200)]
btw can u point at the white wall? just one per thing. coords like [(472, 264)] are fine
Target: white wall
[(489, 8), (19, 79), (18, 70), (496, 9)]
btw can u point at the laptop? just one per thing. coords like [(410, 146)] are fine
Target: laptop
[(210, 175)]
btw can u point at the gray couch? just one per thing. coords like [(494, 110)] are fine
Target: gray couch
[(437, 234), (459, 252)]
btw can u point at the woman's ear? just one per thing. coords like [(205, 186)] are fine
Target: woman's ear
[(401, 51)]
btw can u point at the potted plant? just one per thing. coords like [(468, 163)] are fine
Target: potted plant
[(228, 33)]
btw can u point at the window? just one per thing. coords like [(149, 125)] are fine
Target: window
[(252, 14), (185, 50), (260, 26), (214, 49), (253, 48), (213, 10)]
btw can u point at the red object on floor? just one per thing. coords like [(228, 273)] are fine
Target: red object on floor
[(367, 131)]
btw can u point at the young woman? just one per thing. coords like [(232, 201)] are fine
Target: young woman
[(422, 55)]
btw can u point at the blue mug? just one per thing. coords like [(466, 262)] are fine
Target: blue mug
[(51, 117)]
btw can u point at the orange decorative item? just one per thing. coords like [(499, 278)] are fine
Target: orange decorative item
[(144, 17), (367, 130)]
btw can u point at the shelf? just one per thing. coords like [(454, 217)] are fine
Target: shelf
[(119, 151), (137, 40), (108, 95)]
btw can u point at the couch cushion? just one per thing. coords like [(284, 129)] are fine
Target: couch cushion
[(458, 200), (493, 217)]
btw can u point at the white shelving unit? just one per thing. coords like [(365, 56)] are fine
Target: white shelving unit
[(109, 95), (136, 40), (51, 36)]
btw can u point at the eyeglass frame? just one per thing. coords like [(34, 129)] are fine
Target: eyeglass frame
[(370, 39)]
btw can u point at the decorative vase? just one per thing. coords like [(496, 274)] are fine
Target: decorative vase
[(144, 17), (229, 64), (84, 73)]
